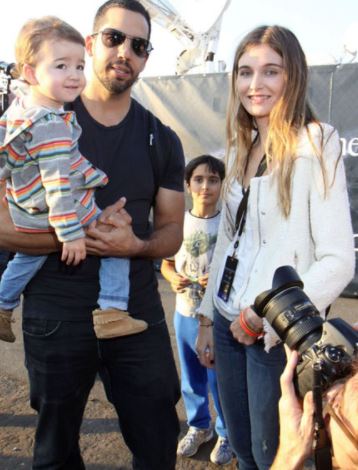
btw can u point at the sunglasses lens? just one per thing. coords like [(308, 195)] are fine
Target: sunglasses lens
[(113, 38), (140, 46)]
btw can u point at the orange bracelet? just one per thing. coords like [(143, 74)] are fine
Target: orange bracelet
[(246, 328)]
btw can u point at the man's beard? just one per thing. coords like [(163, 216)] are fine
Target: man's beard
[(114, 85)]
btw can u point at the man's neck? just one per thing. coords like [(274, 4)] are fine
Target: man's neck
[(204, 211), (106, 108)]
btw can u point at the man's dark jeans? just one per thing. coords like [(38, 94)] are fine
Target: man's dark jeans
[(140, 378)]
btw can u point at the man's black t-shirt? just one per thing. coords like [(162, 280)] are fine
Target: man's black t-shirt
[(122, 151)]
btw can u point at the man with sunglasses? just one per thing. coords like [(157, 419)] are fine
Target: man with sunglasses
[(297, 423), (62, 353)]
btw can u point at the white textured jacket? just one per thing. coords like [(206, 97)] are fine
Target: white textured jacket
[(316, 238)]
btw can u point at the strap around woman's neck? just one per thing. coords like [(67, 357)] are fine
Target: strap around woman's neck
[(242, 209)]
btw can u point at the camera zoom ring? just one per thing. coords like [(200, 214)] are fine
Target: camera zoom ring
[(300, 330)]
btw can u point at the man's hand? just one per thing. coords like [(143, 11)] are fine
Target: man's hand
[(119, 241), (74, 252), (296, 422), (112, 234), (112, 210)]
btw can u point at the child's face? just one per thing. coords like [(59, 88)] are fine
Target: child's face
[(58, 73), (204, 186)]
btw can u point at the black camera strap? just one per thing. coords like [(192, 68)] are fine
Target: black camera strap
[(321, 444), (240, 219)]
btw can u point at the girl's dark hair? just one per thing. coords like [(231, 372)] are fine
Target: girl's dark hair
[(215, 166)]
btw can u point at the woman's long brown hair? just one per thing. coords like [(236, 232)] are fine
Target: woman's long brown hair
[(289, 116)]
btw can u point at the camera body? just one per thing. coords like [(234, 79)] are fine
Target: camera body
[(332, 344)]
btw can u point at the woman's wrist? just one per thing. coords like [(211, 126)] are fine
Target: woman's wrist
[(250, 327)]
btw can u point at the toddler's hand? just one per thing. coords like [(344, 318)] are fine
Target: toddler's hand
[(74, 252)]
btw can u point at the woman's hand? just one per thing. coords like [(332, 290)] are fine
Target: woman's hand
[(205, 344), (253, 321)]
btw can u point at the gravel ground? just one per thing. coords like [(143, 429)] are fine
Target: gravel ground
[(101, 443)]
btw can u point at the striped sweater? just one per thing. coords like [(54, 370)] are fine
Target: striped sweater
[(49, 184)]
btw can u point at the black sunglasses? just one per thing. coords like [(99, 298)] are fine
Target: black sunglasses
[(113, 38)]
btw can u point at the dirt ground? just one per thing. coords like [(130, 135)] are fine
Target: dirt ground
[(101, 443)]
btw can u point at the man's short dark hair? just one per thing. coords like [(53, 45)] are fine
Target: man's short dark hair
[(131, 5), (215, 166)]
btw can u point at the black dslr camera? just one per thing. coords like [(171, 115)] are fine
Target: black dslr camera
[(329, 344)]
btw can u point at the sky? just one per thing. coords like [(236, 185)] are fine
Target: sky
[(322, 26)]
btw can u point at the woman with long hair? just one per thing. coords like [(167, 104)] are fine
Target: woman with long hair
[(285, 203)]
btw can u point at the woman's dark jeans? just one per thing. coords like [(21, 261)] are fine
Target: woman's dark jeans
[(249, 389)]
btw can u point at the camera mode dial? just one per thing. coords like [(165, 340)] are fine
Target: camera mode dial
[(333, 354)]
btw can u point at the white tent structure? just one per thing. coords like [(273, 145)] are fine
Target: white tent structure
[(198, 55)]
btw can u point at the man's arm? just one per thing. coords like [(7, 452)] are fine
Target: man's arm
[(12, 240), (121, 241), (168, 225)]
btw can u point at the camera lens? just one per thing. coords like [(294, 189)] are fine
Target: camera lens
[(294, 318), (332, 343)]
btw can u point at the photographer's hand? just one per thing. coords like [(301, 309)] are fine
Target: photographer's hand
[(296, 423)]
